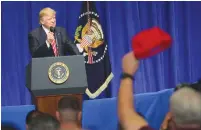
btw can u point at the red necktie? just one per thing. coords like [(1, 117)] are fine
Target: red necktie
[(54, 47)]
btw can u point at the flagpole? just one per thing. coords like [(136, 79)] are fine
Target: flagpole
[(90, 59), (89, 19)]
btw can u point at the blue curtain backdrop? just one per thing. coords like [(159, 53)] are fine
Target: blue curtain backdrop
[(120, 21)]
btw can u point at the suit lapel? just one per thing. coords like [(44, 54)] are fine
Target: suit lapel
[(43, 35), (43, 38)]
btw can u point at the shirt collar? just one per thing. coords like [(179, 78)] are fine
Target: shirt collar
[(45, 29)]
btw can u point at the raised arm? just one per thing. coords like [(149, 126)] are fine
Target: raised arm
[(128, 117)]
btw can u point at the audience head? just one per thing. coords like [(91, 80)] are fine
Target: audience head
[(185, 106), (47, 17), (69, 109), (30, 117), (44, 122)]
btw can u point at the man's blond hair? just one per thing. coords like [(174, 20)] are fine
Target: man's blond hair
[(46, 11)]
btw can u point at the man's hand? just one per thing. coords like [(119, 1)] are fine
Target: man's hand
[(129, 63), (50, 37)]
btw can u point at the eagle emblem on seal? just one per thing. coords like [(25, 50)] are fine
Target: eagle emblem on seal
[(58, 72)]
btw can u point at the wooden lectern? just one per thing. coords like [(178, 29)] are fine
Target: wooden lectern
[(44, 77)]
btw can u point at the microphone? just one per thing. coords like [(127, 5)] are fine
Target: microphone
[(52, 29)]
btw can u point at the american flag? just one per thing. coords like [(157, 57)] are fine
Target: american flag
[(86, 41)]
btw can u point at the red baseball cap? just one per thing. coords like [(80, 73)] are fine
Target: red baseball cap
[(150, 42)]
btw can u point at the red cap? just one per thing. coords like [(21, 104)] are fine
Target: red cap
[(150, 42)]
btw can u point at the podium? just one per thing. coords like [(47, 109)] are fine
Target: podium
[(50, 78)]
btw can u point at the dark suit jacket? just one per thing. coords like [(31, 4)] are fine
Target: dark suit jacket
[(38, 46)]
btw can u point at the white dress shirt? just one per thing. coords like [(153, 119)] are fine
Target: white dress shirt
[(46, 31)]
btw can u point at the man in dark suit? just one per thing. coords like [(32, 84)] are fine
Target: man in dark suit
[(49, 40)]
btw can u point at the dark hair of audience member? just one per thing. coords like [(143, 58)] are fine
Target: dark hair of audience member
[(31, 115), (196, 86), (44, 122), (180, 86), (69, 102), (69, 110)]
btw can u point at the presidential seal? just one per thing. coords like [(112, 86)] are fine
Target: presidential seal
[(58, 73)]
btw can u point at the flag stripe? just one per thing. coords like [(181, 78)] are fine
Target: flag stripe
[(86, 41)]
